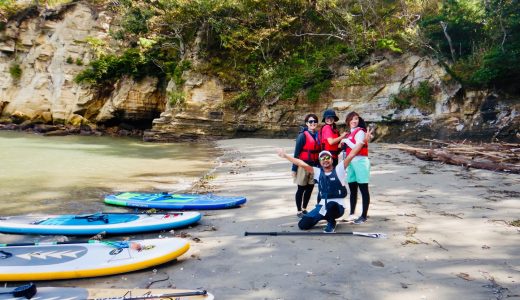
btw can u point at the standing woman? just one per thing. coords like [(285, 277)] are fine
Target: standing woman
[(307, 149), (329, 135), (358, 171)]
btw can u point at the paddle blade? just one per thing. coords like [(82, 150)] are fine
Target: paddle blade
[(26, 290), (371, 235)]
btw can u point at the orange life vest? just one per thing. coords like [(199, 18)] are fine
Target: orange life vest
[(333, 149), (310, 149), (352, 138)]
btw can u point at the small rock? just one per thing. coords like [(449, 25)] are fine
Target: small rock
[(378, 263)]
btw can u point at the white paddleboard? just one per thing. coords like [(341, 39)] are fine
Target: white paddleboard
[(90, 224), (50, 261)]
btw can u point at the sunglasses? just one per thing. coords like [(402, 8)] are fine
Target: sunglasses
[(312, 122), (325, 157)]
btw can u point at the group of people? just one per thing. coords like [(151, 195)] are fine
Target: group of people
[(333, 160)]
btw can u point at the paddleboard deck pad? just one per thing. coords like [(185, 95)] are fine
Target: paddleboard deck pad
[(50, 261), (90, 224), (174, 201), (69, 293)]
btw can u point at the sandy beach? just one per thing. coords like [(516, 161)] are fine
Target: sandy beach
[(448, 235)]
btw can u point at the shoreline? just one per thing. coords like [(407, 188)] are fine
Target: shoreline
[(448, 229)]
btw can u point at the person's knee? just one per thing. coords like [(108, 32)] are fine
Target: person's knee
[(306, 223), (334, 210)]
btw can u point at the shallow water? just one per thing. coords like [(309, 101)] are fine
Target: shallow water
[(71, 174)]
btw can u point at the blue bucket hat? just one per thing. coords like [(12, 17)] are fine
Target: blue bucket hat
[(329, 113)]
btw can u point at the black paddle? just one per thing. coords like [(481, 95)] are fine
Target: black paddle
[(274, 233), (26, 290), (158, 296)]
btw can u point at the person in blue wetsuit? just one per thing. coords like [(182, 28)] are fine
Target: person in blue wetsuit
[(331, 187)]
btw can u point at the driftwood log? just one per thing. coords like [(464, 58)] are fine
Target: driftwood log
[(492, 156)]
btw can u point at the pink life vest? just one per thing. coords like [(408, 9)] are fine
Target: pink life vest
[(352, 138)]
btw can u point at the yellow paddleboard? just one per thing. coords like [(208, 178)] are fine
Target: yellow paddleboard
[(51, 261)]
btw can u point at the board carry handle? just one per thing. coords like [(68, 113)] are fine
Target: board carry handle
[(156, 296), (130, 213), (311, 233), (26, 290)]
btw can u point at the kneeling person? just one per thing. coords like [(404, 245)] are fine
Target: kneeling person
[(331, 188)]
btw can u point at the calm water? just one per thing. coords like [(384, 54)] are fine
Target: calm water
[(71, 174)]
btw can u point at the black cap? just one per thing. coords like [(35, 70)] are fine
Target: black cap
[(329, 113)]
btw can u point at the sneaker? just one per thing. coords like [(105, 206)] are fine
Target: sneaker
[(331, 227), (360, 220), (305, 211), (300, 214), (349, 219)]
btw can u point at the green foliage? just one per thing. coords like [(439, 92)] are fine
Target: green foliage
[(465, 26), (97, 45), (279, 49), (314, 92), (135, 20), (362, 76), (240, 101), (69, 60), (109, 68), (176, 98), (485, 37), (388, 44), (16, 71), (420, 97), (179, 69), (79, 61)]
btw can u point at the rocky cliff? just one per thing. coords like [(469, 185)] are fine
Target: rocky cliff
[(41, 53)]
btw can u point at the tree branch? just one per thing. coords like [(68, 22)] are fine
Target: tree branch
[(445, 30)]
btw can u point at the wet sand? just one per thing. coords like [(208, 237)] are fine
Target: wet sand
[(449, 235)]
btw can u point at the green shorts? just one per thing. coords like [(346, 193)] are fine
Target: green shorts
[(359, 170)]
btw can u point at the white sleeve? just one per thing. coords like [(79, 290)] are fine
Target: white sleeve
[(317, 172), (349, 143), (360, 137), (341, 172)]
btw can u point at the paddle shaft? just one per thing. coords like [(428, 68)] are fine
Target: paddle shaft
[(157, 296), (305, 233)]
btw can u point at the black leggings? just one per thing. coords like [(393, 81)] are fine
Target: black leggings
[(363, 187), (303, 195), (334, 211)]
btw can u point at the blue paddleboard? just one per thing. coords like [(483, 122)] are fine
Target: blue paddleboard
[(89, 224), (174, 201)]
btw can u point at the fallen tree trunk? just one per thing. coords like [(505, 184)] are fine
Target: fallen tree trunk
[(494, 157)]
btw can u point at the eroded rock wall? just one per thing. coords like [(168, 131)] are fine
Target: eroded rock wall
[(49, 52), (455, 114)]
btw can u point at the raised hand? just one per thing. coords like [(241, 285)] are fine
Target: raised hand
[(281, 152)]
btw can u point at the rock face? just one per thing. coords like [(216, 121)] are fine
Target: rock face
[(49, 50), (41, 55), (454, 114)]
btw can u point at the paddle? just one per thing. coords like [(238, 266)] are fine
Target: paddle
[(26, 290), (365, 234), (158, 296)]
